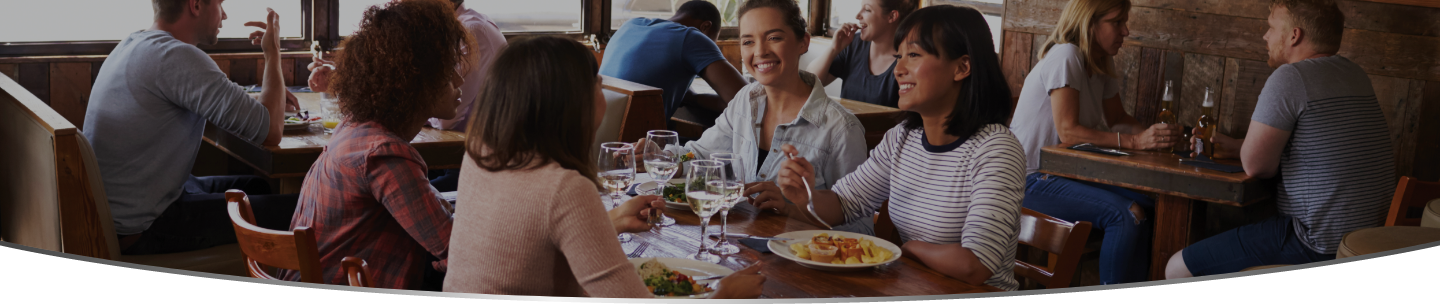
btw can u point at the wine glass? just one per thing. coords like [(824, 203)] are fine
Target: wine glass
[(616, 169), (661, 163), (704, 188), (734, 170)]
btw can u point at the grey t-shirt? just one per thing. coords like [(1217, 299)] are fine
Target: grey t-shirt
[(853, 66), (146, 115), (1034, 121), (1337, 172)]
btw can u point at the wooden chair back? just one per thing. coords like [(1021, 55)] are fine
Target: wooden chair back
[(357, 272), (294, 250), (1064, 240), (1409, 202), (645, 110), (885, 227)]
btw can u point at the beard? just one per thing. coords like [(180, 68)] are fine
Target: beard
[(209, 39)]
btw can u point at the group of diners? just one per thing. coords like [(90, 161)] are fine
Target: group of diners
[(529, 218)]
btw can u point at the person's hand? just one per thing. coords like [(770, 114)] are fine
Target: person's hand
[(268, 37), (845, 35), (769, 198), (1224, 145), (744, 284), (1158, 136), (631, 216), (292, 104), (320, 70), (795, 174)]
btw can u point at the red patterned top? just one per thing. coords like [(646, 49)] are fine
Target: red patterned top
[(367, 196)]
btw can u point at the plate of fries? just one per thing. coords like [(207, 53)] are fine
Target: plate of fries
[(830, 250)]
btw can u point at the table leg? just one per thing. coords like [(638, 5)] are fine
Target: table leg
[(1172, 232)]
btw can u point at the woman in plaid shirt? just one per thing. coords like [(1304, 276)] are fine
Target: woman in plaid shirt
[(367, 195)]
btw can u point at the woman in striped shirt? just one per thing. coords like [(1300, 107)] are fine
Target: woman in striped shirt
[(952, 171)]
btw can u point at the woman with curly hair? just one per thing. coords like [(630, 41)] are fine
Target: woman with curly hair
[(367, 195)]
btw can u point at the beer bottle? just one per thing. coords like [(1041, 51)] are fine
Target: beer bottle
[(1166, 101), (1205, 128)]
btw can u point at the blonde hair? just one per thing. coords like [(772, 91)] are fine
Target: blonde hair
[(1077, 26), (1320, 21)]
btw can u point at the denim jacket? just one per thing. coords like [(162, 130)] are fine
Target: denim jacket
[(825, 133)]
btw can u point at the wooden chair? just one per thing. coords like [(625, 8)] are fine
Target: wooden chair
[(1064, 240), (884, 227), (52, 196), (631, 110), (1410, 198), (294, 250), (356, 272)]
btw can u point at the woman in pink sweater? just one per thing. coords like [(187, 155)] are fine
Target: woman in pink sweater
[(529, 220)]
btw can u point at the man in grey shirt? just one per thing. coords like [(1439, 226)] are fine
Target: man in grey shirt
[(147, 112), (1319, 130)]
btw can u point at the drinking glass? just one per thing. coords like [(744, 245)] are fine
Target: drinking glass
[(704, 188), (734, 170), (330, 107), (617, 170), (661, 163)]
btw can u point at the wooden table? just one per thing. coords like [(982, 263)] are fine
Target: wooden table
[(300, 148), (785, 278), (1176, 185)]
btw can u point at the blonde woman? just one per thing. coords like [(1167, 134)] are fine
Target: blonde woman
[(1072, 96)]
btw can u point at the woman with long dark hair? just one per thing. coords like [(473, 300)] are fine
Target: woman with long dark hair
[(951, 171), (530, 220)]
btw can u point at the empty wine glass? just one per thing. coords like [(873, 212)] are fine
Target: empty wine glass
[(617, 170), (734, 170), (704, 188), (661, 163)]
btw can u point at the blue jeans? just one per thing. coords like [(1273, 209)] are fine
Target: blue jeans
[(1269, 242), (445, 180), (200, 219), (1125, 251)]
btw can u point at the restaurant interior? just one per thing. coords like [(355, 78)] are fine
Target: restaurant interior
[(1181, 62)]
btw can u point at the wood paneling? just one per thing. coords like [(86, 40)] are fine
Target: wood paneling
[(95, 70), (35, 77), (1247, 8), (1015, 59), (1391, 18), (287, 70), (1397, 55), (1400, 99), (1149, 85), (82, 233), (1037, 48), (243, 72), (1200, 33), (10, 70), (1033, 16), (70, 90), (728, 48), (1423, 3), (1243, 81), (224, 65), (1427, 147), (302, 71), (1201, 71), (1127, 64)]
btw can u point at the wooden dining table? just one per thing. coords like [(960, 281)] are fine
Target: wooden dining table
[(1178, 189), (298, 149), (786, 278)]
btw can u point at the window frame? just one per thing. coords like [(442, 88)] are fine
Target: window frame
[(320, 24)]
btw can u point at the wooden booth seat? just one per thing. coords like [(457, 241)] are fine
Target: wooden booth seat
[(631, 109), (52, 196)]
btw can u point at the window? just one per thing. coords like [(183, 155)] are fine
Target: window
[(112, 20), (511, 16), (992, 9), (624, 10)]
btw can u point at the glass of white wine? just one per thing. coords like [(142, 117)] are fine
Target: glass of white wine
[(704, 188), (616, 165), (734, 170), (661, 163)]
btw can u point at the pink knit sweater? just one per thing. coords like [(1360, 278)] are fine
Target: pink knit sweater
[(540, 232)]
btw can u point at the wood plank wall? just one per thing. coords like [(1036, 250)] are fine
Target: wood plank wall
[(64, 82), (1219, 44)]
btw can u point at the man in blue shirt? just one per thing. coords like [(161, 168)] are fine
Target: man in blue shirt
[(668, 54)]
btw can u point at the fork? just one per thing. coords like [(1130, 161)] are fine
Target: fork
[(638, 250), (810, 198)]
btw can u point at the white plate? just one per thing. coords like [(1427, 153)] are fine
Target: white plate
[(690, 268), (650, 186), (782, 248)]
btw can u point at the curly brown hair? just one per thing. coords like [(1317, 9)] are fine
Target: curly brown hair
[(399, 64)]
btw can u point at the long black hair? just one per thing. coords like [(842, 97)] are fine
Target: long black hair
[(951, 32)]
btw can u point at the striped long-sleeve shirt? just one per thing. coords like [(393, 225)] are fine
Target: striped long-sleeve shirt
[(968, 192)]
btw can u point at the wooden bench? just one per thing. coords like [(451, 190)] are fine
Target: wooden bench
[(52, 197)]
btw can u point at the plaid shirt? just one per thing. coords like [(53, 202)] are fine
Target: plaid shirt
[(367, 196)]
